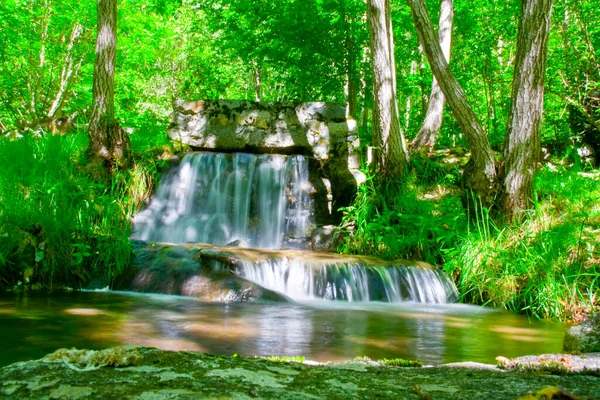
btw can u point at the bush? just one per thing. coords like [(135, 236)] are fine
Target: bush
[(61, 223)]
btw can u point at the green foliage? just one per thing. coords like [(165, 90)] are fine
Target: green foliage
[(302, 50), (60, 222), (45, 40), (549, 266), (415, 219)]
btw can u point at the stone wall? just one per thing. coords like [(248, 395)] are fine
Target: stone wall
[(318, 130)]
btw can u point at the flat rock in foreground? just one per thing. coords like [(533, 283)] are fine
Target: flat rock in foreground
[(148, 373)]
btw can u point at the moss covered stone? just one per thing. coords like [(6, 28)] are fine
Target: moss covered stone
[(183, 375)]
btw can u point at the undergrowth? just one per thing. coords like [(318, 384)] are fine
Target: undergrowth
[(407, 219), (548, 266), (59, 220)]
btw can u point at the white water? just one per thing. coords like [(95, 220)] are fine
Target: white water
[(300, 280), (264, 201), (258, 200)]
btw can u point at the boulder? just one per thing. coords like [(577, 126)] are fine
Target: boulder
[(179, 270), (324, 238), (585, 337)]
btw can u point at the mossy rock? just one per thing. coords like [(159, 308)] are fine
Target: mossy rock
[(154, 374), (585, 337)]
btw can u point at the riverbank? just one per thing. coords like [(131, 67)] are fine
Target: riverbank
[(149, 373), (64, 225)]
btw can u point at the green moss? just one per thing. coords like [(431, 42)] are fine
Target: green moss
[(115, 357), (260, 378), (400, 362), (198, 375), (297, 359)]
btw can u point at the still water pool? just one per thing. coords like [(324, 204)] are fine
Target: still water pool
[(33, 325)]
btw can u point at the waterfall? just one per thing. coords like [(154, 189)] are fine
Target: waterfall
[(260, 201), (302, 280), (264, 202)]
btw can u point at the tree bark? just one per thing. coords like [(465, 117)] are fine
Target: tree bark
[(433, 118), (391, 156), (108, 141), (67, 72), (352, 74), (480, 172), (522, 148), (256, 72)]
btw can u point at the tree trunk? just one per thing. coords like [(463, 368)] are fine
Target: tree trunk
[(522, 146), (480, 172), (352, 77), (391, 156), (433, 118), (108, 142), (352, 74), (67, 72), (257, 90)]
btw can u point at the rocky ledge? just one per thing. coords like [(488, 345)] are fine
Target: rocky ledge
[(148, 373)]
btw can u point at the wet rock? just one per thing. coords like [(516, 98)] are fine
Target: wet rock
[(183, 270), (585, 337), (325, 238)]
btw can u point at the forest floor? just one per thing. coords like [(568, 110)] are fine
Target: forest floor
[(148, 373)]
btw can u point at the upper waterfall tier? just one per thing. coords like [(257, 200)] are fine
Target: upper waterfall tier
[(261, 201)]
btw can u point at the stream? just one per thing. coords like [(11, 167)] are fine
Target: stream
[(32, 325)]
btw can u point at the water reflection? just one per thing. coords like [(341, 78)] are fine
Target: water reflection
[(34, 325)]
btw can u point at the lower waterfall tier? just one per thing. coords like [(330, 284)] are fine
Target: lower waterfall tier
[(301, 280), (226, 273)]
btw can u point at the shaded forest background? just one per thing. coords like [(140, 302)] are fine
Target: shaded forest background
[(62, 222)]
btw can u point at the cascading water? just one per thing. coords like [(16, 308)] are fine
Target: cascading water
[(264, 202), (259, 200), (302, 280)]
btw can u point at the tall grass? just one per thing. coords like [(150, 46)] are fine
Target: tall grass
[(59, 221), (548, 266)]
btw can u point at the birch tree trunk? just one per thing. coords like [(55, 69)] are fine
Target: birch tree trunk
[(68, 70), (390, 155), (108, 141), (433, 118), (256, 72), (480, 172), (522, 148)]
